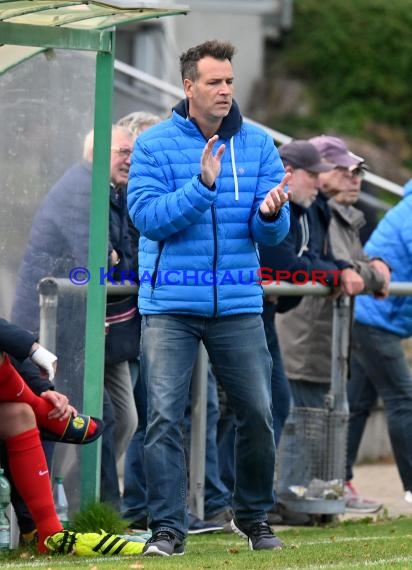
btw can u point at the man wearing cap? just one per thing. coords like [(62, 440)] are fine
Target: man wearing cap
[(302, 252), (293, 259), (305, 333)]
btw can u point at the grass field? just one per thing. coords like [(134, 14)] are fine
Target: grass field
[(362, 544)]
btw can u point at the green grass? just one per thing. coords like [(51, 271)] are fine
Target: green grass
[(355, 545)]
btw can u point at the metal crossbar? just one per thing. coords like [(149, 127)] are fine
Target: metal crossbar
[(51, 288)]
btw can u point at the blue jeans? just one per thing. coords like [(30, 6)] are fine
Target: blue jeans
[(279, 382), (378, 367), (281, 397), (135, 494), (109, 481), (308, 394), (217, 495), (239, 355)]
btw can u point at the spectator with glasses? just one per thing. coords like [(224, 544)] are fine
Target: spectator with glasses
[(305, 332), (59, 242)]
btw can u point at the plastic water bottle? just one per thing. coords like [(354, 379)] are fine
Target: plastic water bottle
[(60, 501), (4, 521)]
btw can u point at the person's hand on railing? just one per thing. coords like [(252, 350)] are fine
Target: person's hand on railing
[(385, 272), (351, 283)]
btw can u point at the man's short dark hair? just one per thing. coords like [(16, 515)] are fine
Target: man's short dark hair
[(214, 48)]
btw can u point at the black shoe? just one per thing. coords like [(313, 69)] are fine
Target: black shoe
[(197, 526), (288, 517), (164, 543), (258, 534), (139, 524), (222, 518)]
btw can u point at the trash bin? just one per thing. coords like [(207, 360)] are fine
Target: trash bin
[(312, 459)]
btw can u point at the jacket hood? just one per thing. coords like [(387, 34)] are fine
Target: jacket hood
[(231, 124)]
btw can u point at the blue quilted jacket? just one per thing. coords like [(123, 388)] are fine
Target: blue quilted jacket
[(391, 240), (198, 247)]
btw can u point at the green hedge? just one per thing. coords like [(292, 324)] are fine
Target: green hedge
[(355, 57)]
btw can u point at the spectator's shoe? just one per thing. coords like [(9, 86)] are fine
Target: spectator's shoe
[(281, 515), (197, 526), (92, 544), (28, 539), (258, 534), (408, 497), (164, 543), (139, 525), (222, 518), (354, 503)]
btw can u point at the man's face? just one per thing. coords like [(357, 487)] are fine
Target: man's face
[(121, 148), (303, 187), (341, 184), (210, 96), (350, 194)]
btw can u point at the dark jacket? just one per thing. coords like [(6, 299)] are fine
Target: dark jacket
[(305, 250), (17, 343), (59, 242), (305, 334)]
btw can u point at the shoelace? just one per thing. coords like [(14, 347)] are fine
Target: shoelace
[(162, 535), (261, 529)]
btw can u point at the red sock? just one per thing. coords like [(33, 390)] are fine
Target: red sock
[(30, 474), (14, 389)]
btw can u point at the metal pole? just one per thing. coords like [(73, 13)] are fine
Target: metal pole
[(49, 299), (98, 240), (340, 353), (198, 433)]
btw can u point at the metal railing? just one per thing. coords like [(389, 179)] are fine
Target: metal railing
[(176, 93), (51, 288)]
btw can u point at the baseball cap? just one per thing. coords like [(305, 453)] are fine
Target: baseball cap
[(334, 150), (303, 154)]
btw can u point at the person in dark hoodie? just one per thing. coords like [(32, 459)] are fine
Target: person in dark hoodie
[(205, 188)]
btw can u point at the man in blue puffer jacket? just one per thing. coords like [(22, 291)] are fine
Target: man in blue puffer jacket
[(201, 207), (378, 364)]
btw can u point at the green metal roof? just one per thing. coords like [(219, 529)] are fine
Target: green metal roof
[(75, 24), (83, 14)]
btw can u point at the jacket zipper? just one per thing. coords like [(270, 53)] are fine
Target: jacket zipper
[(214, 260), (156, 268)]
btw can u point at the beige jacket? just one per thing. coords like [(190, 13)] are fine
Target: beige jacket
[(305, 332)]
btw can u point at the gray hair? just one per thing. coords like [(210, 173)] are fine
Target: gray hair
[(89, 141), (138, 121)]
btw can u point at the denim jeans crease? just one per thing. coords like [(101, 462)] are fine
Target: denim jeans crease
[(239, 355)]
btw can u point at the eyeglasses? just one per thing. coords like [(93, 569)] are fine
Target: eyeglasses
[(123, 152), (358, 171)]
